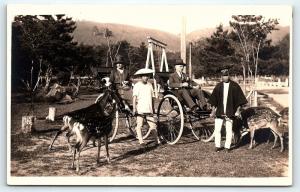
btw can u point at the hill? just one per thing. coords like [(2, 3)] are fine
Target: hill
[(276, 36), (135, 35)]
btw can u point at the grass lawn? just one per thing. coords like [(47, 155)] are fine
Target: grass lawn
[(189, 157)]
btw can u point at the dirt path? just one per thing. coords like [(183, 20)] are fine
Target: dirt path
[(189, 157)]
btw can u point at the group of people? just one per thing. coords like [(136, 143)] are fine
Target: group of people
[(226, 98)]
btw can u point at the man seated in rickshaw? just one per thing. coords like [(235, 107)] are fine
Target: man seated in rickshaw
[(179, 82), (120, 80)]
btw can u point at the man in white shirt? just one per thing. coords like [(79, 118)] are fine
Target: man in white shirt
[(226, 100), (143, 102)]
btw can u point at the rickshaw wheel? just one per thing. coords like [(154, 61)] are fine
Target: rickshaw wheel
[(170, 119), (115, 124), (131, 124)]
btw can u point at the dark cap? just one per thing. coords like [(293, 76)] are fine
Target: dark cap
[(179, 62), (225, 70), (120, 59)]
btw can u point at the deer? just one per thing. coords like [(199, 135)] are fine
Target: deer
[(254, 118), (68, 121), (94, 121)]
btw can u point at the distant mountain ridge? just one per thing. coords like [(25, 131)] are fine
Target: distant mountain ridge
[(135, 35), (276, 35)]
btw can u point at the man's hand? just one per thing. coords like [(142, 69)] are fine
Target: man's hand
[(134, 112), (185, 84), (237, 113), (212, 114)]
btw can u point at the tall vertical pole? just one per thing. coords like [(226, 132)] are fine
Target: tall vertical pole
[(183, 41), (190, 61), (148, 55)]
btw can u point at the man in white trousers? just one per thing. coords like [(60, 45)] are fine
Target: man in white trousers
[(226, 100), (143, 104)]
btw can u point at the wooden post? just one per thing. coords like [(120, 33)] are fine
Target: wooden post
[(286, 82), (28, 123), (51, 115), (150, 58), (148, 55), (190, 62), (255, 98), (183, 43), (164, 61)]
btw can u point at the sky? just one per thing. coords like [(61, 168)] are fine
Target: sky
[(162, 17)]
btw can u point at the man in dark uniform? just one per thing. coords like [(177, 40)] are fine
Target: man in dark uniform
[(120, 79), (226, 100), (180, 83)]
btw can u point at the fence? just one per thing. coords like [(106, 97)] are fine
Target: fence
[(260, 84)]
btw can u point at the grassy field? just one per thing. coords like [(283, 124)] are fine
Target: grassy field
[(189, 157)]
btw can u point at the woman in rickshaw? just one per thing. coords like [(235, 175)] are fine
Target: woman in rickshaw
[(120, 80)]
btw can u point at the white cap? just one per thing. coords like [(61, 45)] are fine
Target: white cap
[(144, 71)]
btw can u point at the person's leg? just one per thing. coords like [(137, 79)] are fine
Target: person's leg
[(218, 127), (186, 95), (128, 96), (198, 93), (153, 127), (139, 124), (120, 97), (228, 125)]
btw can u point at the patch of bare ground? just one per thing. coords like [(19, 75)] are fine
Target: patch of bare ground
[(189, 157)]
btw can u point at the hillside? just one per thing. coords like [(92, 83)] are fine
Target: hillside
[(276, 36), (135, 35)]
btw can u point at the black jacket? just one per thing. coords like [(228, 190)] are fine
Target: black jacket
[(235, 99), (117, 78)]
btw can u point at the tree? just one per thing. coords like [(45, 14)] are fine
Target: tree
[(251, 33), (210, 54), (219, 42), (274, 59), (45, 44), (113, 49)]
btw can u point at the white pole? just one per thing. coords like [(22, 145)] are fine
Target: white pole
[(166, 61), (162, 61), (255, 99), (190, 62), (28, 123), (148, 56), (183, 41), (51, 115)]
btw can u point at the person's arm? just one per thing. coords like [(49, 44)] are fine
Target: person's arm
[(134, 98), (174, 84), (213, 112), (112, 77), (126, 79), (134, 105), (153, 100), (238, 111)]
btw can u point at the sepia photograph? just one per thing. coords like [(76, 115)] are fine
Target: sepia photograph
[(122, 94)]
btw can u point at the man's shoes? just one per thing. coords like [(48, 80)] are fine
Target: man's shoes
[(227, 150), (143, 146), (195, 109), (204, 108), (218, 149)]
